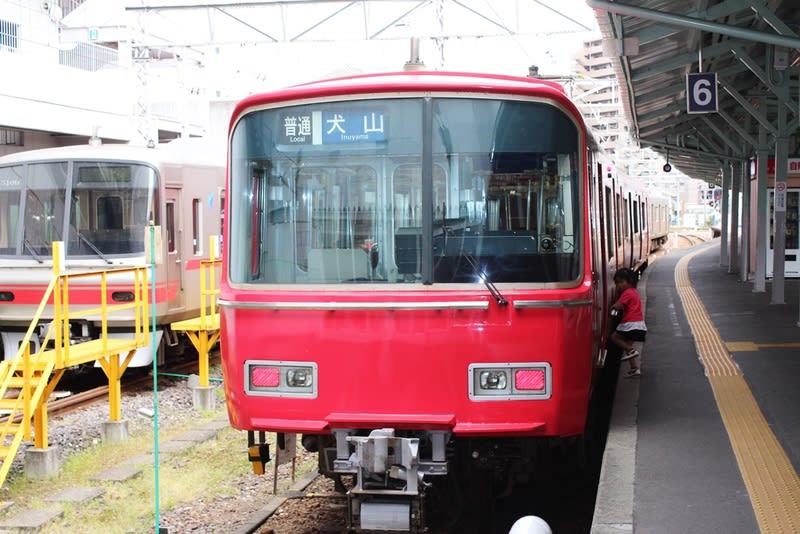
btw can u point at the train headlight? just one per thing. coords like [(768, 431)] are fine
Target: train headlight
[(510, 381), (6, 296), (299, 377), (493, 379), (281, 378)]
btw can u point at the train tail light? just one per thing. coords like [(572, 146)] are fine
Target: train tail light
[(281, 378), (530, 379), (510, 381), (265, 377)]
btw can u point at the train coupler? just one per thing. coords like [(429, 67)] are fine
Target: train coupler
[(389, 490), (258, 452)]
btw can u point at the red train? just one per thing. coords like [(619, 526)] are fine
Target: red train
[(417, 277)]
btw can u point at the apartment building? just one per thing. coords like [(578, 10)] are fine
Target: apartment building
[(596, 91), (74, 69)]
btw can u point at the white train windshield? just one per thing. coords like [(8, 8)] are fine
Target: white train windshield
[(97, 209), (406, 190)]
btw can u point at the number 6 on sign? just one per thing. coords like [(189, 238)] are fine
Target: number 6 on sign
[(701, 92)]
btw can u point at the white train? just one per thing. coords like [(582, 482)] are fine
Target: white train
[(100, 201)]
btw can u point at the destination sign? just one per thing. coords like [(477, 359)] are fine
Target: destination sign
[(333, 127), (10, 183)]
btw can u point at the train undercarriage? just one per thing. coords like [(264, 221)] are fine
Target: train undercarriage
[(412, 482)]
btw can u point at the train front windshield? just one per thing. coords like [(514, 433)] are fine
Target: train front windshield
[(406, 190), (96, 208)]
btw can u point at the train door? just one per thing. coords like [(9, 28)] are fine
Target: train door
[(599, 263), (174, 255)]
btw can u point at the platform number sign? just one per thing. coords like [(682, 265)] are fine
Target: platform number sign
[(701, 92)]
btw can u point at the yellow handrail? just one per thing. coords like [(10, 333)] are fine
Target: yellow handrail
[(208, 285), (35, 375)]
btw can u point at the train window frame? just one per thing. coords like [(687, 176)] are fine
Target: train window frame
[(256, 149)]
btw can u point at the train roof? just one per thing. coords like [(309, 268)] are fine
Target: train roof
[(391, 82), (193, 151), (439, 80)]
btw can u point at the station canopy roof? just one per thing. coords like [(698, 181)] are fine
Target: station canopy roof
[(666, 54)]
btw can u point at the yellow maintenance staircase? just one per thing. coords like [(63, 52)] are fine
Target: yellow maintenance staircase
[(27, 381), (203, 331)]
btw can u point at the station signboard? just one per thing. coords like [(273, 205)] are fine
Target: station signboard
[(792, 169), (701, 92)]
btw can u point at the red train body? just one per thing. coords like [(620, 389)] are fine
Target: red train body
[(417, 278)]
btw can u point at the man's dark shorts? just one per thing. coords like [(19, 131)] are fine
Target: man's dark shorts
[(633, 335)]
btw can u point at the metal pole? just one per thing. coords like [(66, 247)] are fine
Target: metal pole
[(779, 215), (744, 252), (736, 181), (154, 345), (762, 155), (723, 224)]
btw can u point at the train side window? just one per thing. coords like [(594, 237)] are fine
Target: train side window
[(644, 216), (221, 215), (170, 227), (626, 214), (197, 227), (635, 213), (620, 214), (611, 247)]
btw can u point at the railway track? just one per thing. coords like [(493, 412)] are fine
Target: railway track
[(63, 404), (684, 240)]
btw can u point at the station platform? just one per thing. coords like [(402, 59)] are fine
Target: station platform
[(707, 439)]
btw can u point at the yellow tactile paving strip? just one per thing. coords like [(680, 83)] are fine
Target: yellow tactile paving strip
[(749, 346), (771, 480)]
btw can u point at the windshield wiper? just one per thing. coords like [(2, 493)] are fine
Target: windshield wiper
[(92, 246), (485, 279), (32, 251)]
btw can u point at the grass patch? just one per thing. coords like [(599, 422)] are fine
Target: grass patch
[(209, 470)]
